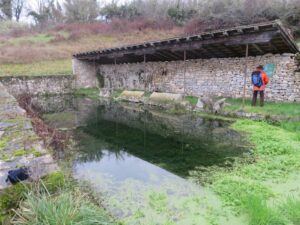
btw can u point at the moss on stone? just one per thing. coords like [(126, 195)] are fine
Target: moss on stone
[(19, 152), (25, 152), (92, 93), (4, 142), (116, 93), (4, 157)]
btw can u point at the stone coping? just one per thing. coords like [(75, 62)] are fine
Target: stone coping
[(28, 77)]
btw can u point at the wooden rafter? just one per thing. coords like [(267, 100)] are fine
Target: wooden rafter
[(220, 43)]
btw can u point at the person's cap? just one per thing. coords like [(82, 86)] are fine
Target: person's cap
[(260, 67)]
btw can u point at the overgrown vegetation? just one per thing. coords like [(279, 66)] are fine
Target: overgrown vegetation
[(52, 137), (66, 208), (53, 200), (11, 197)]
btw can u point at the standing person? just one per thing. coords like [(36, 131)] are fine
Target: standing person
[(259, 80)]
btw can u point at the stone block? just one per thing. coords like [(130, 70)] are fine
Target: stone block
[(161, 97), (132, 96)]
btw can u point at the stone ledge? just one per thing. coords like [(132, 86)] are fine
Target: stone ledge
[(19, 144)]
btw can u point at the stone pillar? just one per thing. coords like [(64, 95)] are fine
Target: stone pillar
[(85, 74)]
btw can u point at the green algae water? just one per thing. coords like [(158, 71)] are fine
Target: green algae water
[(140, 162)]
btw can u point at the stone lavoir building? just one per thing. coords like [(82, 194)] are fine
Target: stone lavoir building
[(217, 63)]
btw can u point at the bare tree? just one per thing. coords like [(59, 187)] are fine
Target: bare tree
[(81, 10), (46, 11), (17, 8)]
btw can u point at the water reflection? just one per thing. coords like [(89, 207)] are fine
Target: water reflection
[(122, 166), (177, 144), (137, 161)]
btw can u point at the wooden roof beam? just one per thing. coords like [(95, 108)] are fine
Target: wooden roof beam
[(163, 55), (230, 50), (258, 48), (194, 53), (206, 52), (172, 54)]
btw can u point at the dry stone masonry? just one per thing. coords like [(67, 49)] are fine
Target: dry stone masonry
[(38, 85), (19, 144), (202, 77)]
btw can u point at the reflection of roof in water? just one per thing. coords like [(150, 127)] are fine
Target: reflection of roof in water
[(269, 37)]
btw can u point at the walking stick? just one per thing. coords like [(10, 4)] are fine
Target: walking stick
[(245, 75)]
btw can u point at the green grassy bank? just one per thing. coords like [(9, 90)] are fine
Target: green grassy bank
[(265, 186), (54, 200), (54, 67), (287, 109)]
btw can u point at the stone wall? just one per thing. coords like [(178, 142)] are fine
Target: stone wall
[(85, 74), (38, 85), (203, 77)]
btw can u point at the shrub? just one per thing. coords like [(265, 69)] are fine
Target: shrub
[(10, 199), (291, 208), (65, 208), (260, 213), (54, 181), (12, 196)]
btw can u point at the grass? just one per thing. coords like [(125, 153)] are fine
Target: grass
[(92, 93), (191, 99), (260, 213), (292, 209), (56, 67), (34, 39), (11, 197), (65, 208), (54, 200), (270, 108), (116, 93), (251, 188)]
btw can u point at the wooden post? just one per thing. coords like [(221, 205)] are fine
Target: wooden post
[(146, 78), (112, 92), (245, 75), (145, 111), (184, 71), (95, 71), (115, 74)]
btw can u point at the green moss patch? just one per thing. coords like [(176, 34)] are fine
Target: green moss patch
[(25, 152), (116, 93), (92, 93), (192, 100)]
